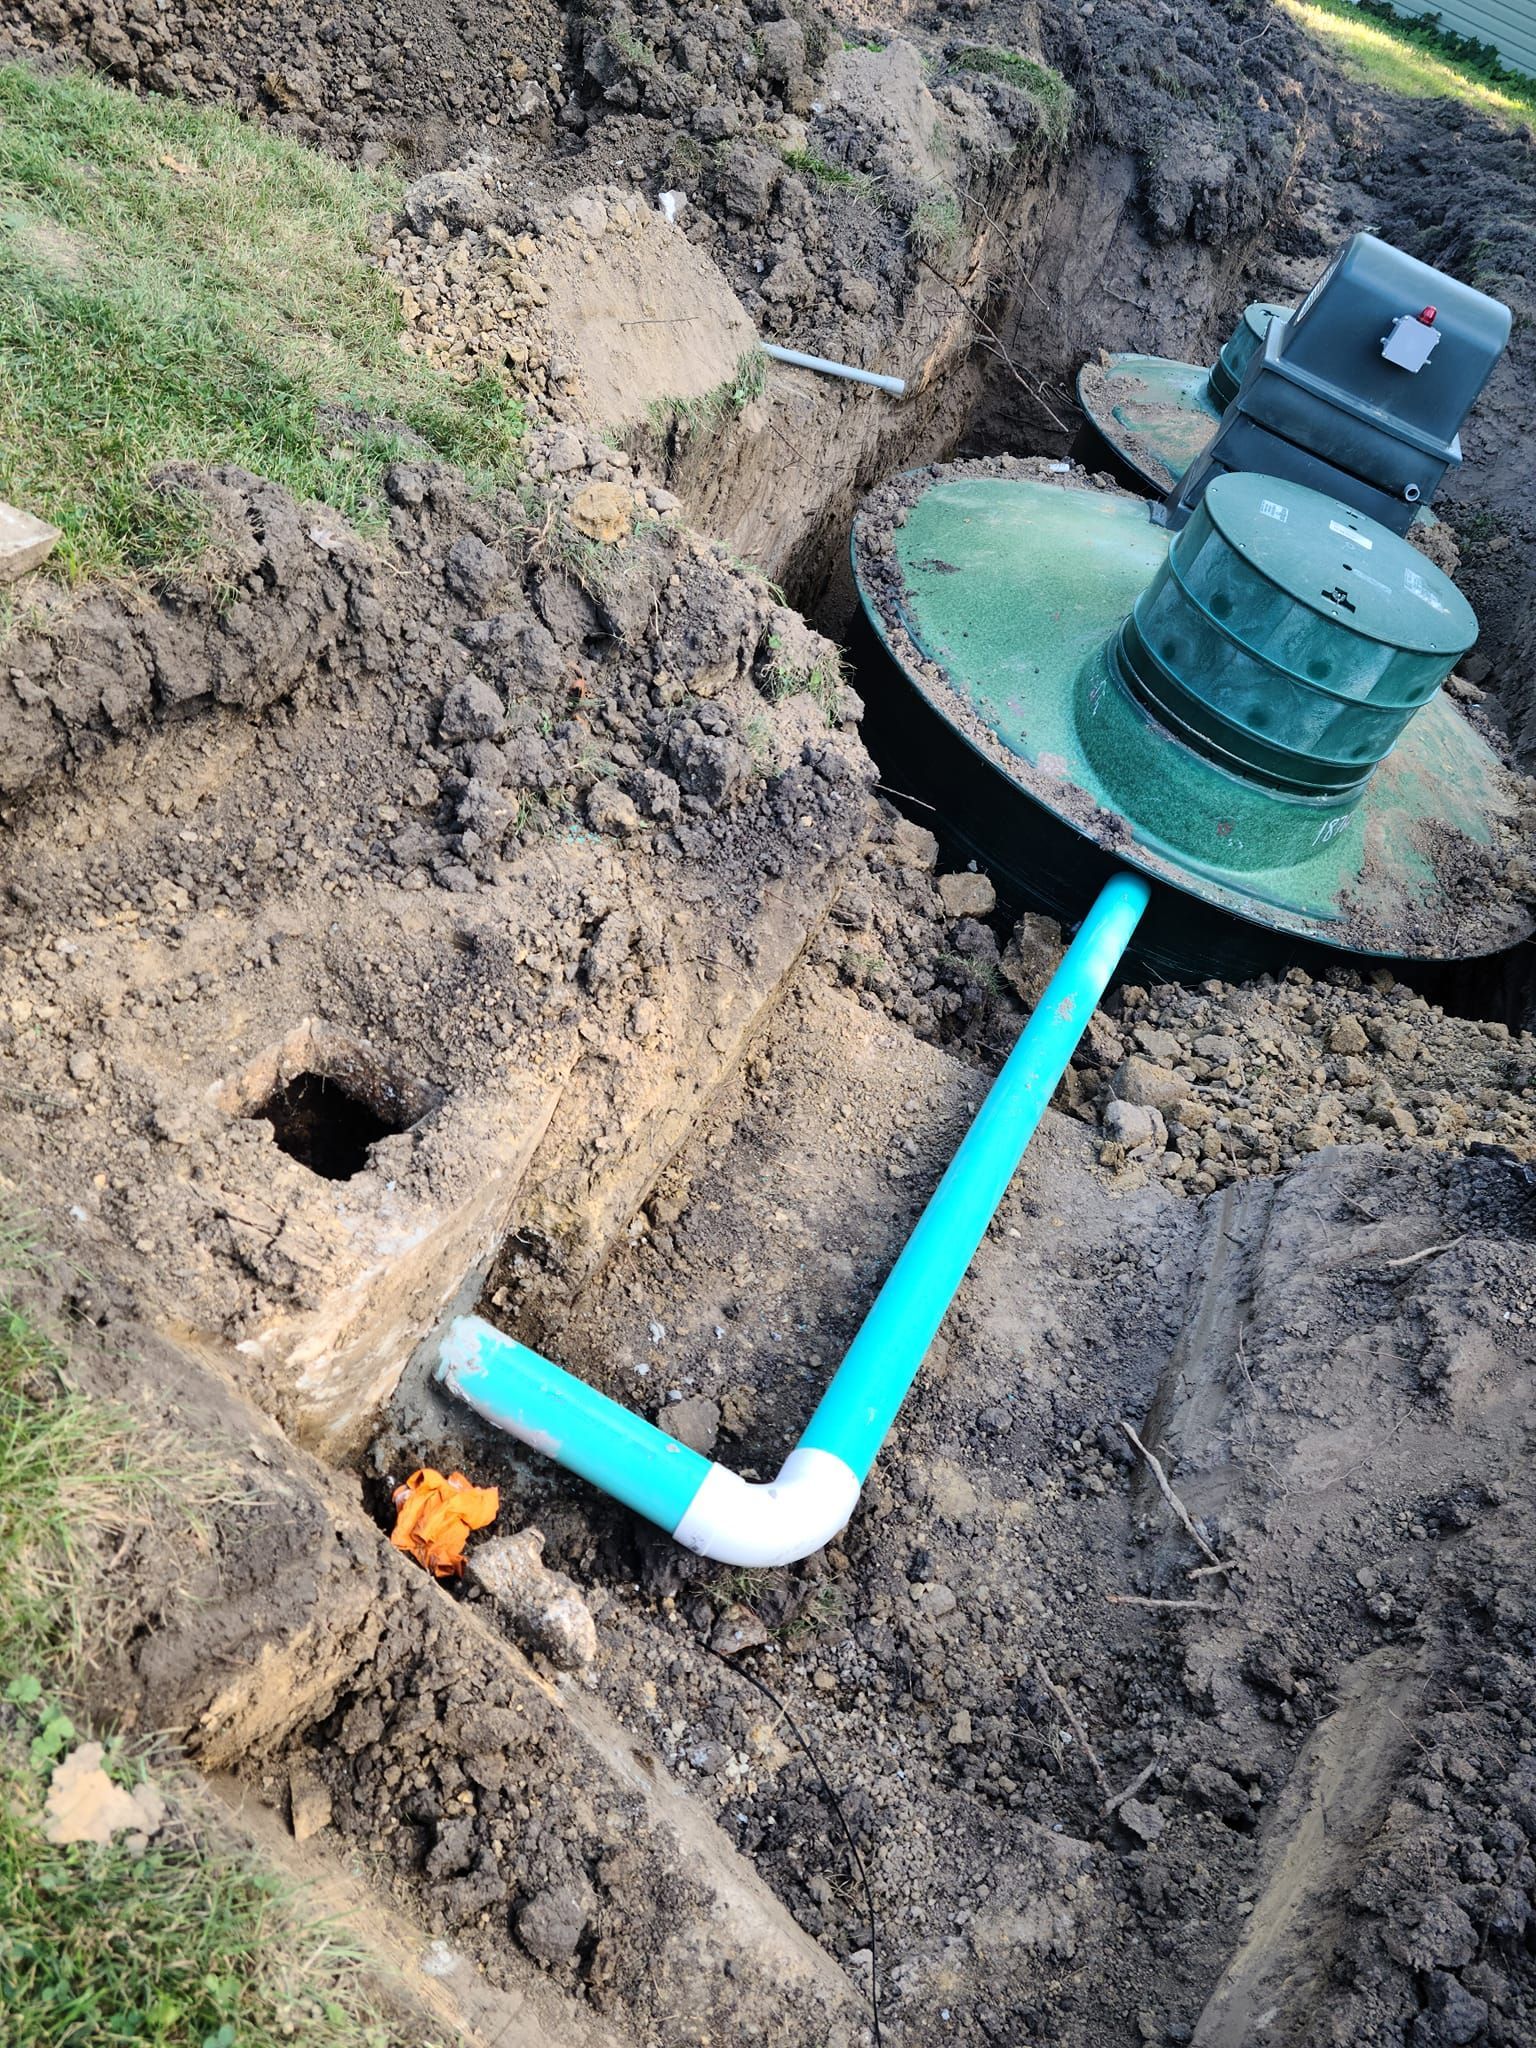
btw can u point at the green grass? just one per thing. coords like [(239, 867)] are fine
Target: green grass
[(824, 684), (184, 1946), (709, 411), (176, 286), (71, 1478), (190, 1944), (811, 165), (935, 227), (1406, 56), (1053, 99)]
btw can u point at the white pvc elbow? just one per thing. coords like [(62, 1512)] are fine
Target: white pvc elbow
[(736, 1522)]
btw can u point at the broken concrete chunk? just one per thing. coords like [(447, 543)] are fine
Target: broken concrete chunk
[(25, 542), (542, 1608)]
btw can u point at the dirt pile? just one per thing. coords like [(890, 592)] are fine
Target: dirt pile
[(596, 307), (1215, 1083), (391, 81), (552, 746)]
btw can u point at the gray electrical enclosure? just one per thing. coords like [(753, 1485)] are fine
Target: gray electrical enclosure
[(1362, 391)]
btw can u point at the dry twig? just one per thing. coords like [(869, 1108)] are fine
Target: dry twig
[(1170, 1496), (1428, 1252), (1069, 1712), (1146, 1600), (1118, 1799)]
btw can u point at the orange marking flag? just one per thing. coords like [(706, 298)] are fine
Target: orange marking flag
[(434, 1515)]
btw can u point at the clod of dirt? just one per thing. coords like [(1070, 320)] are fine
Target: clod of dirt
[(85, 1805)]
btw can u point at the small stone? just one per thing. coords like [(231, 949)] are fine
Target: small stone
[(960, 1730), (824, 1680), (1142, 1818), (1162, 1046), (967, 895), (857, 294), (1348, 1035), (912, 846), (1134, 1125), (737, 1629), (563, 452), (83, 1066), (543, 1608), (694, 1422), (937, 1601), (1141, 1081)]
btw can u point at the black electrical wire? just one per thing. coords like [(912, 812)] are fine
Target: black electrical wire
[(769, 1694)]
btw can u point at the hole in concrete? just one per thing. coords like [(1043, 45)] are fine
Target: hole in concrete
[(326, 1126)]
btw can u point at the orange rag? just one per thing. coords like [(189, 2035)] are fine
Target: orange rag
[(434, 1515)]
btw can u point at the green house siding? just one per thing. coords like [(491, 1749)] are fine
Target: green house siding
[(1510, 25)]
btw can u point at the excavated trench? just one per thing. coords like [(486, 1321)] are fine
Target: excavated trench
[(738, 1284), (743, 1262), (682, 1170)]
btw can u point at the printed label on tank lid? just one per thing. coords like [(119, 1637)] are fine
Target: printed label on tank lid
[(1360, 540), (1415, 586), (1273, 511)]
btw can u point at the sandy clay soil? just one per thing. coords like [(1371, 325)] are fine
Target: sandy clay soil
[(471, 917)]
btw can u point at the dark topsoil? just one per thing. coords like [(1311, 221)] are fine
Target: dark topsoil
[(1330, 1838)]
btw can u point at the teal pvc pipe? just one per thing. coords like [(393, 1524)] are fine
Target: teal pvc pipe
[(859, 1406), (556, 1413), (519, 1391)]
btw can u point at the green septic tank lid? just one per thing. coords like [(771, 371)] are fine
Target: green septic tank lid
[(1156, 414), (999, 597), (1342, 565)]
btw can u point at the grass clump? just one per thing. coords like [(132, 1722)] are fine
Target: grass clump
[(71, 1478), (812, 165), (1052, 98), (186, 1943), (935, 227), (177, 286), (1416, 58), (824, 682), (684, 417), (180, 1946)]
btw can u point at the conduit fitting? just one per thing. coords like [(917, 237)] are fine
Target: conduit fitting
[(896, 386), (712, 1510)]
